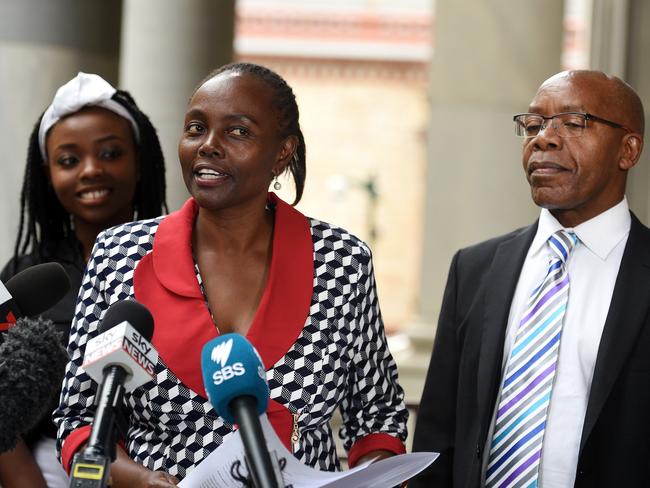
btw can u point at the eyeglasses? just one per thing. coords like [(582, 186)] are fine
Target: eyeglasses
[(565, 124)]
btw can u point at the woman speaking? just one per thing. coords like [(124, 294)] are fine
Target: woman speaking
[(236, 258)]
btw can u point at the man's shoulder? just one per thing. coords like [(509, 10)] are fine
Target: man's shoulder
[(639, 228), (488, 247)]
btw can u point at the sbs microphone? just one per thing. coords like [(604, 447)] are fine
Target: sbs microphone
[(235, 381), (32, 364), (31, 292), (119, 358)]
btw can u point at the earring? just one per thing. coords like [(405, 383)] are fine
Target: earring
[(277, 185)]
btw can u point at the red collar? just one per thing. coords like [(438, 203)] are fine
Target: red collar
[(166, 283)]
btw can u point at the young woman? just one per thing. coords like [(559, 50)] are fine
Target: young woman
[(236, 258), (94, 161)]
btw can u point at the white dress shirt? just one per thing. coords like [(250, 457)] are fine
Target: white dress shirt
[(592, 267)]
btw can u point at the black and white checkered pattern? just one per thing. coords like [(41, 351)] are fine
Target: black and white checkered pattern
[(340, 360)]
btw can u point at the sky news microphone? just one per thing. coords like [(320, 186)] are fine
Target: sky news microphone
[(120, 358), (235, 380), (31, 292)]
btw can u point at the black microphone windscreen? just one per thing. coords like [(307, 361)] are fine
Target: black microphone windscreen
[(32, 365), (133, 312), (38, 288)]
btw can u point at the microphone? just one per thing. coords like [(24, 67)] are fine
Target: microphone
[(123, 342), (32, 359), (120, 358), (235, 381), (31, 292), (32, 365)]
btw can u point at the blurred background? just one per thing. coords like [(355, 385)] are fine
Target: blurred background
[(406, 107)]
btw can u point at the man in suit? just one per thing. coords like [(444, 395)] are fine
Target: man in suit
[(540, 373)]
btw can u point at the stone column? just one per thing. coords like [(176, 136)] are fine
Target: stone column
[(168, 46), (489, 59), (637, 73), (609, 36), (43, 44)]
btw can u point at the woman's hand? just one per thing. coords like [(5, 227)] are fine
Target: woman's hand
[(126, 473), (157, 479)]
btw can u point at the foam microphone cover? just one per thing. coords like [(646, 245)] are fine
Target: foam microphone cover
[(38, 288), (32, 365), (232, 368)]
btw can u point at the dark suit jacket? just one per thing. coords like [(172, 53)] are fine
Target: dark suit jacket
[(464, 375)]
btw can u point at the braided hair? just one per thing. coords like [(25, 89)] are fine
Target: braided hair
[(43, 220), (284, 103)]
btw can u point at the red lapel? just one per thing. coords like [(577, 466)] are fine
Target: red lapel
[(165, 282)]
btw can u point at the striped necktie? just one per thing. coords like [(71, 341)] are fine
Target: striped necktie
[(525, 394)]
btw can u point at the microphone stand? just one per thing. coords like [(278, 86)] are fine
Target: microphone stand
[(263, 468), (91, 468)]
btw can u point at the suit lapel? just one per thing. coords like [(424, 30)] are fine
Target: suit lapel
[(627, 312), (500, 283)]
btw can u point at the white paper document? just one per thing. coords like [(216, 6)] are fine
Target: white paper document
[(215, 471)]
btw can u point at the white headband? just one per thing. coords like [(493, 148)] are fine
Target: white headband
[(81, 91)]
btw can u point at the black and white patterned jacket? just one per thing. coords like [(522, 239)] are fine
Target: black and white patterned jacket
[(318, 329)]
